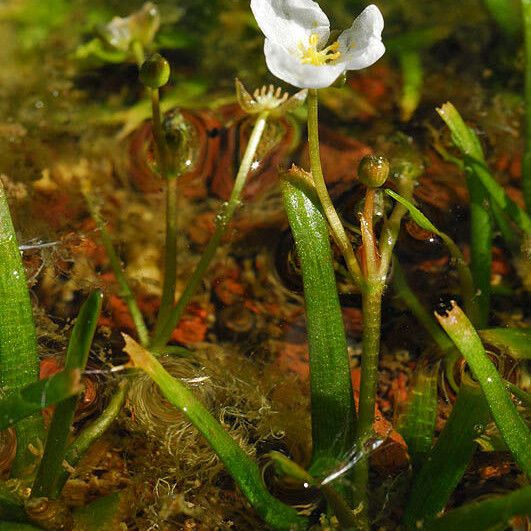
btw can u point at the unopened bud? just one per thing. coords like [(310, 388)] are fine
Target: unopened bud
[(155, 71), (373, 170)]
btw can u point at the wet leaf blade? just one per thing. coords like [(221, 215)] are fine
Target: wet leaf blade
[(445, 464), (333, 411), (515, 341), (467, 142), (243, 469), (487, 514), (417, 424), (19, 363), (512, 427), (466, 281), (50, 467), (32, 398)]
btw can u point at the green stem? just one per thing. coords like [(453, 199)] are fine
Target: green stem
[(19, 362), (90, 434), (404, 291), (162, 336), (242, 468), (51, 464), (170, 254), (468, 291), (512, 427), (480, 250), (332, 402), (336, 227), (372, 311), (526, 168), (116, 266), (412, 78)]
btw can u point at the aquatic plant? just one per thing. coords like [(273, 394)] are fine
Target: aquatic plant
[(334, 475)]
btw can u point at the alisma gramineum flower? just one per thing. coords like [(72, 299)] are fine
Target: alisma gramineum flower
[(296, 47)]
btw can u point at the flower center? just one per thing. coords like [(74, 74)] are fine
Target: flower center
[(312, 56)]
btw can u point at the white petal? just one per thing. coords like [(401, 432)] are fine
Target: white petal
[(361, 45), (290, 22), (289, 68)]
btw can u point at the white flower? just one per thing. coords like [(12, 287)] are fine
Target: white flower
[(297, 33)]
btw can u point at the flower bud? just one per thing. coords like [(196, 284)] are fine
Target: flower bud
[(155, 71), (373, 170)]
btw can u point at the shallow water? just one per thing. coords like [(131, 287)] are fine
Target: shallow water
[(68, 121)]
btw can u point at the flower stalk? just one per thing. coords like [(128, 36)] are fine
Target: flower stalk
[(174, 314), (336, 227)]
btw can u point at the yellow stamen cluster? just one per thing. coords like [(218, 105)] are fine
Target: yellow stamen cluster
[(312, 56)]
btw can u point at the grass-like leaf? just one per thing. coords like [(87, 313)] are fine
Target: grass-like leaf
[(492, 513), (512, 427), (417, 424), (466, 281), (32, 398), (77, 353), (19, 363), (514, 341), (446, 462), (242, 468), (333, 411), (467, 142), (91, 433)]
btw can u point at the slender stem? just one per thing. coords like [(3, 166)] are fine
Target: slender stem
[(372, 309), (170, 247), (116, 266), (170, 254), (404, 291), (162, 336), (480, 251), (526, 175), (336, 227)]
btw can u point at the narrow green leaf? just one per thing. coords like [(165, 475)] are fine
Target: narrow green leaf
[(526, 161), (77, 354), (445, 464), (31, 399), (417, 423), (333, 411), (467, 142), (103, 513), (242, 468), (19, 363), (487, 514), (512, 427), (91, 433), (514, 341), (466, 281), (11, 505)]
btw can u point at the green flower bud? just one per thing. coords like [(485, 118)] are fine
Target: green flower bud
[(155, 71), (373, 170)]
